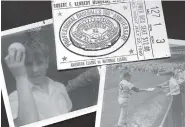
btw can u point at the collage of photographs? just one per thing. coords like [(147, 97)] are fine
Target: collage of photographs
[(94, 63)]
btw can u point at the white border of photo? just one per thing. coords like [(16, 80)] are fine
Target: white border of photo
[(52, 120)]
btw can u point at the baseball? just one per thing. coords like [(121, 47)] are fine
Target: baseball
[(18, 46)]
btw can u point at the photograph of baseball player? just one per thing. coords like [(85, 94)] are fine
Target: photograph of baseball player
[(36, 89), (125, 91), (147, 93)]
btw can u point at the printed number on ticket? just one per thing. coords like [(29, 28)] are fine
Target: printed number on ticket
[(98, 32)]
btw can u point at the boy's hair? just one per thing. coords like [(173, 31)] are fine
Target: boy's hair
[(36, 50)]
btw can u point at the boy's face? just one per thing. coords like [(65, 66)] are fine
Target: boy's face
[(36, 70)]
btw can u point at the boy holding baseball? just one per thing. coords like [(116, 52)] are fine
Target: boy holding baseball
[(38, 97)]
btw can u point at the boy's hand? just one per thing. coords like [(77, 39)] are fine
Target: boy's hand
[(15, 61)]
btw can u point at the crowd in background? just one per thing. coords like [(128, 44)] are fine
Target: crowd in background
[(150, 67)]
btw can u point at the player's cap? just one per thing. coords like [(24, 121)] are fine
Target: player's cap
[(127, 74)]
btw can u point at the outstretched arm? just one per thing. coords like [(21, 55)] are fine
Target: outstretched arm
[(147, 90), (163, 85), (135, 89), (142, 90)]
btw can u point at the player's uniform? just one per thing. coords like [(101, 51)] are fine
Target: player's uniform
[(123, 99), (174, 87), (181, 77), (177, 107)]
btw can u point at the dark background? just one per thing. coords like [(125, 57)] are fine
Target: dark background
[(15, 14)]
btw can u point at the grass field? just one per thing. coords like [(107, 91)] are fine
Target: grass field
[(139, 103)]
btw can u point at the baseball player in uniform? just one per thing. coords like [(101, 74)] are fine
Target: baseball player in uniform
[(125, 89), (174, 87)]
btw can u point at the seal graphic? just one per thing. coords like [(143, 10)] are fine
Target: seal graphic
[(94, 32)]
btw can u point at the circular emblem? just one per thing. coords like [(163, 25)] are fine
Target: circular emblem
[(94, 32)]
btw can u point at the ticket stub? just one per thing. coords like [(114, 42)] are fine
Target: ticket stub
[(98, 32)]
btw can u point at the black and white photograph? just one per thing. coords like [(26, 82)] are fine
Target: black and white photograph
[(34, 89), (146, 94)]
